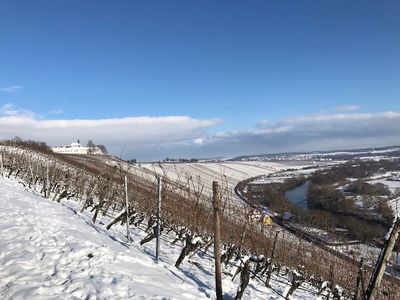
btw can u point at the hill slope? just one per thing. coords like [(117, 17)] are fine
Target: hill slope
[(51, 251)]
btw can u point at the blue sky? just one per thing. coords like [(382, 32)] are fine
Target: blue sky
[(201, 78)]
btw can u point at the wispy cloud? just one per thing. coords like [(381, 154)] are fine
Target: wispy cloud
[(10, 109), (56, 112), (11, 88), (347, 108)]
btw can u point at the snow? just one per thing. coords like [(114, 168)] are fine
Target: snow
[(46, 250), (200, 175), (392, 185), (52, 251), (197, 240), (232, 172)]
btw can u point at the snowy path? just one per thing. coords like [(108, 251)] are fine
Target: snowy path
[(47, 252)]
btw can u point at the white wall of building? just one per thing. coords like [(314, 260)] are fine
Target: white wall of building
[(76, 148)]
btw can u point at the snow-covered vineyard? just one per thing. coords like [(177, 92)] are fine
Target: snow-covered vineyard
[(63, 236), (202, 174), (52, 251)]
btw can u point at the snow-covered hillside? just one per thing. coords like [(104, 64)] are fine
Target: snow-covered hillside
[(202, 174), (51, 251)]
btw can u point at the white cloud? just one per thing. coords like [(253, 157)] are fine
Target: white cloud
[(11, 88), (149, 137), (350, 124), (137, 132), (199, 141), (313, 132)]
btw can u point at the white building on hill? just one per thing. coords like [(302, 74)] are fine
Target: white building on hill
[(76, 148)]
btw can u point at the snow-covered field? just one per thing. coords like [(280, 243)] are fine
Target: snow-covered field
[(228, 173), (391, 180), (233, 172), (51, 251), (282, 176)]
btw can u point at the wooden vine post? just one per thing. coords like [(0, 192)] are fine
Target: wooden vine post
[(217, 239), (127, 209), (159, 180), (360, 289), (271, 259), (47, 188), (1, 163), (383, 258)]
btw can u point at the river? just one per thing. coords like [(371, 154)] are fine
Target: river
[(298, 195)]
